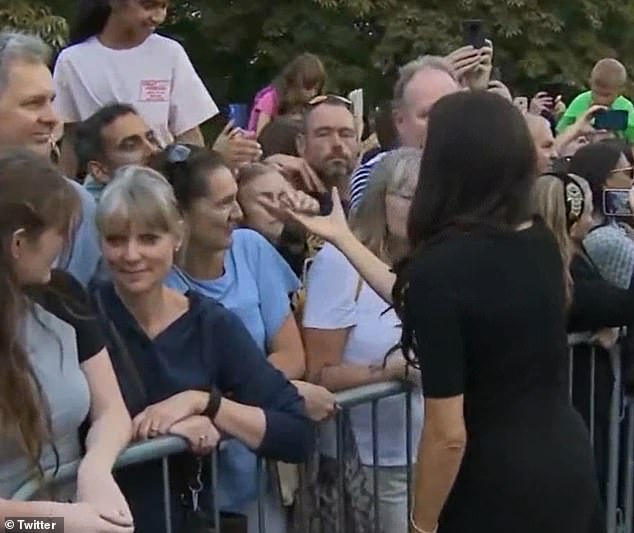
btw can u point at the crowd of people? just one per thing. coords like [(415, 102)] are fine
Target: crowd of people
[(157, 284)]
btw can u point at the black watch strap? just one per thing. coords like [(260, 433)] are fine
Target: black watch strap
[(215, 398)]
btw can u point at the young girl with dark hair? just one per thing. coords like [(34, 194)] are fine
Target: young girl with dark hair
[(116, 56)]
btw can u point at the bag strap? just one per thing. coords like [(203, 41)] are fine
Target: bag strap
[(124, 354), (359, 288)]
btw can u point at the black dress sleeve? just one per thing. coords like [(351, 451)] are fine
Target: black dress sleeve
[(245, 376), (67, 299), (434, 313)]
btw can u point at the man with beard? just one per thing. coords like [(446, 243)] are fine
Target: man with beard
[(328, 149), (329, 143), (113, 137)]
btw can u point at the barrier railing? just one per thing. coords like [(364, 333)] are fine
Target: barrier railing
[(596, 390), (614, 425)]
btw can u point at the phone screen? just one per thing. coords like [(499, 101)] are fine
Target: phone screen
[(473, 33), (616, 202), (611, 120)]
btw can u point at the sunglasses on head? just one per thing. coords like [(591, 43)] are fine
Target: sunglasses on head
[(329, 98), (628, 171)]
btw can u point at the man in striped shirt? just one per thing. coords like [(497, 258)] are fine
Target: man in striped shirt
[(421, 84)]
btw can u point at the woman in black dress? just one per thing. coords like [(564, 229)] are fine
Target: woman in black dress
[(483, 304)]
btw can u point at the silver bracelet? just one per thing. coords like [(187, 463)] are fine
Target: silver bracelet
[(416, 528)]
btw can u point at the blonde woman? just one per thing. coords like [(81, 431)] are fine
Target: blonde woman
[(186, 364), (564, 202), (348, 330)]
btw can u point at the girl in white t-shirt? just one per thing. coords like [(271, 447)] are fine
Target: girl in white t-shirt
[(348, 330), (116, 56)]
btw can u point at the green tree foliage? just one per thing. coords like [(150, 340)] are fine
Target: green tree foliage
[(34, 17), (240, 45)]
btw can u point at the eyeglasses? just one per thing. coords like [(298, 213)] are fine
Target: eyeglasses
[(177, 153), (628, 171), (329, 98)]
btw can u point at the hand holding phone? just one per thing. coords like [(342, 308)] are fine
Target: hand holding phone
[(611, 119)]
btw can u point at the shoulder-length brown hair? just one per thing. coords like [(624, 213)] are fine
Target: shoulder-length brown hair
[(306, 71), (34, 198)]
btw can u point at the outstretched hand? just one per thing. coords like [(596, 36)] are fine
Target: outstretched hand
[(332, 227)]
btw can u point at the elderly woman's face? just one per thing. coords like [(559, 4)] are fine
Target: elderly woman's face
[(397, 204)]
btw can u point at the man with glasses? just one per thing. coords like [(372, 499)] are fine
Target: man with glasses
[(27, 119)]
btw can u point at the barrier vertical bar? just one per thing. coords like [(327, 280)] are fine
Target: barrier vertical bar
[(261, 493), (593, 372), (612, 481), (629, 469), (571, 356), (167, 498), (408, 447), (375, 465), (341, 514), (214, 489)]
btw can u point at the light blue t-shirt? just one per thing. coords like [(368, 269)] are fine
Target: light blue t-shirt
[(85, 254), (256, 286)]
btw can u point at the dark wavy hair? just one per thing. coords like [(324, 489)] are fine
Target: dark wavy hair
[(187, 174), (90, 19), (476, 174)]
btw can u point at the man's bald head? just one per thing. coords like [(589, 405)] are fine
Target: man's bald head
[(544, 141), (607, 81)]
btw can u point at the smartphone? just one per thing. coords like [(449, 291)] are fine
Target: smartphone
[(616, 202), (611, 120), (473, 33)]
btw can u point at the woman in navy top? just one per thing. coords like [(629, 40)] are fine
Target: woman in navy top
[(186, 365)]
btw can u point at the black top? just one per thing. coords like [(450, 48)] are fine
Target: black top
[(67, 299), (494, 296), (489, 319), (596, 302)]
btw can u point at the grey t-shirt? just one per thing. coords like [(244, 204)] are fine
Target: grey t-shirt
[(57, 342)]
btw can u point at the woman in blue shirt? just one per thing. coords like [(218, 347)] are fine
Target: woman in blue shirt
[(186, 365), (242, 270)]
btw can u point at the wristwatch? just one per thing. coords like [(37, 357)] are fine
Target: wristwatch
[(215, 398)]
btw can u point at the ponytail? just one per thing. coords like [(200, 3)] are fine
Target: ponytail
[(90, 20)]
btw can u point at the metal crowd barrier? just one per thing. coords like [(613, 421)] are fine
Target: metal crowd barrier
[(618, 482)]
